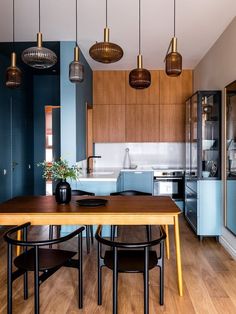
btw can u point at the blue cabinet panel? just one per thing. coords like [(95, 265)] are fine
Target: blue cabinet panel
[(137, 180), (231, 205)]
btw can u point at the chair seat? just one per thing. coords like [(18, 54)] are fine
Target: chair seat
[(130, 261), (48, 259)]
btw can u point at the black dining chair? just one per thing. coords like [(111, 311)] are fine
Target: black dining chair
[(44, 262), (88, 229), (130, 193), (123, 257)]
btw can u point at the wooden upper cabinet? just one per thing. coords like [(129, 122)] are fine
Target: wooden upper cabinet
[(175, 90), (147, 96), (142, 123), (108, 123), (172, 123), (109, 87)]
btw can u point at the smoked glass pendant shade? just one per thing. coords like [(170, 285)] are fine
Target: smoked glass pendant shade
[(139, 78), (13, 74), (173, 64), (106, 52), (39, 57), (76, 69), (173, 60)]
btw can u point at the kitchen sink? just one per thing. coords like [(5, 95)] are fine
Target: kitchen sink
[(101, 173)]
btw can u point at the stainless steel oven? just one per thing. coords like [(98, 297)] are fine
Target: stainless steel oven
[(169, 183)]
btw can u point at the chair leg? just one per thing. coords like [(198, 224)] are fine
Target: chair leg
[(9, 279), (146, 281), (99, 275), (58, 231), (87, 238), (91, 233), (161, 293), (149, 232), (36, 281), (26, 285), (80, 271), (115, 282), (50, 234)]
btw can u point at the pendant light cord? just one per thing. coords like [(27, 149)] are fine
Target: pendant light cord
[(13, 24), (139, 48), (106, 13), (174, 18), (39, 16), (76, 22)]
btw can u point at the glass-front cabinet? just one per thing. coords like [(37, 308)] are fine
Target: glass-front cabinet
[(203, 160)]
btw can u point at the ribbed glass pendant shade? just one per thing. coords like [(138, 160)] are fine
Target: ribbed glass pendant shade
[(140, 78), (106, 52), (39, 57), (173, 64), (13, 74), (76, 69)]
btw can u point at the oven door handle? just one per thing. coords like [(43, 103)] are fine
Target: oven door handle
[(167, 179)]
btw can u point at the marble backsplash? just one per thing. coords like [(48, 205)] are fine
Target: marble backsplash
[(168, 155)]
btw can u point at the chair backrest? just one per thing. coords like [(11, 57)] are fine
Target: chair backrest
[(80, 192), (130, 192), (130, 245), (10, 237)]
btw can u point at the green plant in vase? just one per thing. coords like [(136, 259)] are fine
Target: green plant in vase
[(60, 170)]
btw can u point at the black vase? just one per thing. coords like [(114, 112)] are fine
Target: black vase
[(63, 192)]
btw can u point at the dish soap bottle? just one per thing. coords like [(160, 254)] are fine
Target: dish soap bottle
[(127, 162)]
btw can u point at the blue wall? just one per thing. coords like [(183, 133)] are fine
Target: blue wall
[(73, 106), (46, 91)]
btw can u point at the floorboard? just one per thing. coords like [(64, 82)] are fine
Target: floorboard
[(209, 275)]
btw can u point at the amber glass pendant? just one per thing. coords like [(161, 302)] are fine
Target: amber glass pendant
[(13, 74)]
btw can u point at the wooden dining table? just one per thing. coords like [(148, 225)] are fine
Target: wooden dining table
[(119, 210)]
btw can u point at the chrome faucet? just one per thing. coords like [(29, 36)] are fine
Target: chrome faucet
[(90, 157)]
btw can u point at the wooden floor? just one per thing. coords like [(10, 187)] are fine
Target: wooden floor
[(209, 275)]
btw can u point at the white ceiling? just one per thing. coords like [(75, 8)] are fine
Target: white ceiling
[(198, 25)]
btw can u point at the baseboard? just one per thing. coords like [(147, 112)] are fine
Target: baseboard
[(228, 247)]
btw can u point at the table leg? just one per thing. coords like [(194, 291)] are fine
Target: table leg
[(19, 237), (178, 255), (167, 242)]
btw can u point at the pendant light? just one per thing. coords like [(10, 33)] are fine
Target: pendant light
[(106, 52), (13, 73), (39, 57), (76, 69), (140, 78), (173, 59)]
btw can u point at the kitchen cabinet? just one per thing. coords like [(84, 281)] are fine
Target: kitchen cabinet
[(136, 180), (147, 96), (172, 119), (155, 114), (203, 163), (175, 90), (203, 208), (142, 123), (109, 87), (108, 123)]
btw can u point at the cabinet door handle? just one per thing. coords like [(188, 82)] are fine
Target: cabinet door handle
[(138, 172)]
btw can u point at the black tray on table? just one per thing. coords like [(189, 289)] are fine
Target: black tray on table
[(92, 202)]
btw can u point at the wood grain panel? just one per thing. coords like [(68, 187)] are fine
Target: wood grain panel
[(142, 123), (109, 87), (147, 96), (175, 90), (172, 123), (109, 123)]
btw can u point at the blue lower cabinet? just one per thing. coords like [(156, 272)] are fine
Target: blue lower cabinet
[(137, 180), (231, 201), (97, 187), (203, 207)]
